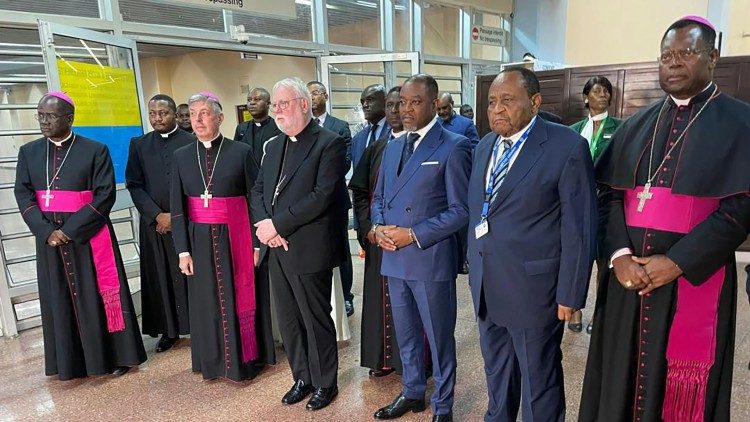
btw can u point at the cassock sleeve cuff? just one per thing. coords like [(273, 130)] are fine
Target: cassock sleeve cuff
[(184, 254), (618, 253)]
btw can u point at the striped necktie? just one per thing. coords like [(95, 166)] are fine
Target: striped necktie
[(499, 176)]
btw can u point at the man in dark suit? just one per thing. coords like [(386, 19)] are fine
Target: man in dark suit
[(532, 231), (319, 96), (258, 131), (456, 123), (419, 204), (296, 203), (373, 106)]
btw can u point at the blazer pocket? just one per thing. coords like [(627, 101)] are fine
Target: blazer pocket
[(542, 266), (430, 163), (607, 136)]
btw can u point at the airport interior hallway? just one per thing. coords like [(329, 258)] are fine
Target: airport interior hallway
[(164, 388)]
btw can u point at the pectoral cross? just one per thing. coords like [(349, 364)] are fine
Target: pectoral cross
[(644, 196), (205, 197), (277, 190), (47, 196)]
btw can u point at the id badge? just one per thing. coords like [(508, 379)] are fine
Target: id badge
[(481, 229)]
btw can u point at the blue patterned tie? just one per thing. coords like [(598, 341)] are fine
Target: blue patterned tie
[(408, 150), (497, 181)]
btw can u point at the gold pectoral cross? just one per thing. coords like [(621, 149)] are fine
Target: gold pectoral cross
[(205, 197), (644, 196), (47, 196)]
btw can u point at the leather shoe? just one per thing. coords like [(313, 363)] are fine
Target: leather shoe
[(590, 327), (381, 372), (399, 407), (448, 417), (120, 370), (165, 343), (322, 397), (575, 327), (349, 307), (297, 393)]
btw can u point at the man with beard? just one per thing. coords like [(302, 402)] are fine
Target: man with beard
[(183, 118), (163, 287), (297, 201), (675, 204), (229, 330), (65, 189)]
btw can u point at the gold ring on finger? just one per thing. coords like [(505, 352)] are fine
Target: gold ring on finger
[(628, 284)]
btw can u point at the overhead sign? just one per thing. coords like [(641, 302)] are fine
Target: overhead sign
[(488, 35), (282, 8)]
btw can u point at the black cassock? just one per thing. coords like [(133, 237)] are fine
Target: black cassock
[(379, 348), (626, 371), (214, 326), (163, 286), (76, 340)]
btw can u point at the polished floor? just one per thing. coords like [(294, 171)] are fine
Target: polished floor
[(164, 388)]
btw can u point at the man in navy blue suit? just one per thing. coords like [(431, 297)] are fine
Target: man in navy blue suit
[(319, 96), (456, 123), (373, 106), (532, 231), (419, 204)]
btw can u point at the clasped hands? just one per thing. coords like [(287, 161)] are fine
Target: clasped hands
[(645, 273), (57, 238), (267, 235), (163, 222), (391, 238)]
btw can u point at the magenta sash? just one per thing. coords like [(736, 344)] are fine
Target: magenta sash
[(692, 337), (107, 279), (233, 212)]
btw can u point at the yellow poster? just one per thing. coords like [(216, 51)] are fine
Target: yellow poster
[(104, 95)]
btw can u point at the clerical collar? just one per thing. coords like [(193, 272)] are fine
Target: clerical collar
[(599, 117), (263, 122), (321, 118), (209, 144), (166, 135), (293, 138), (698, 97), (59, 143), (516, 136), (423, 131)]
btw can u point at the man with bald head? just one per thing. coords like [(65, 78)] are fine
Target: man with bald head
[(163, 288), (454, 122), (674, 189), (230, 326), (65, 189)]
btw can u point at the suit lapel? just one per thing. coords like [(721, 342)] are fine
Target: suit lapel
[(427, 147), (295, 160), (527, 157), (483, 157)]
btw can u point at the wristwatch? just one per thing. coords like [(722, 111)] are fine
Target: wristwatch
[(374, 227)]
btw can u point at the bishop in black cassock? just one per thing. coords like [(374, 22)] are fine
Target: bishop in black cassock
[(229, 311), (65, 189), (163, 286), (675, 204)]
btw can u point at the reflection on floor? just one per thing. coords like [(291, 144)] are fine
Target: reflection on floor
[(164, 388)]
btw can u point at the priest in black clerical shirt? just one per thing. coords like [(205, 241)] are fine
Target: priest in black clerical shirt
[(65, 189), (163, 287), (230, 325), (259, 130)]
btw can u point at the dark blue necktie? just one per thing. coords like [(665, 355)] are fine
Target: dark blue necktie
[(408, 150), (372, 134), (497, 181)]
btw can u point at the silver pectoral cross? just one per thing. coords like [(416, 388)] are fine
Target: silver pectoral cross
[(277, 190), (644, 196), (47, 196), (205, 197)]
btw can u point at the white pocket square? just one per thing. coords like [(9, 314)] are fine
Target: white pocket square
[(607, 136), (430, 163)]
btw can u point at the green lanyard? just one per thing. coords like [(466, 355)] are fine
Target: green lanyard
[(596, 138)]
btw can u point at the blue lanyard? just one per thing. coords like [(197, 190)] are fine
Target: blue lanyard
[(504, 160)]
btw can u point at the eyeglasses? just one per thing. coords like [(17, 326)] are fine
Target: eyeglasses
[(48, 117), (283, 105), (685, 55)]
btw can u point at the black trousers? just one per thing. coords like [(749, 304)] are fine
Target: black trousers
[(347, 272), (303, 305)]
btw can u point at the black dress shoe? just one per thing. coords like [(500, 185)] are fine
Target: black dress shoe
[(322, 397), (576, 328), (399, 407), (120, 370), (165, 343), (297, 393), (349, 307), (448, 417), (590, 327), (381, 372)]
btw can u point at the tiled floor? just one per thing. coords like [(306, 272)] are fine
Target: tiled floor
[(165, 389)]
